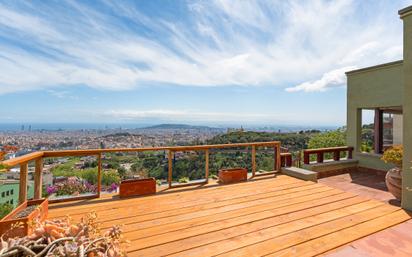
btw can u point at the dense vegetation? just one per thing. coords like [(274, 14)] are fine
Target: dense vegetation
[(191, 165)]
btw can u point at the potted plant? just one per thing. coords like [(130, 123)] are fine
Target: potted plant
[(232, 175), (19, 221), (393, 177), (135, 187)]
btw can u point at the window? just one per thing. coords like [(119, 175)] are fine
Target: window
[(368, 131), (12, 191), (392, 129), (11, 201), (381, 129), (3, 194), (7, 192)]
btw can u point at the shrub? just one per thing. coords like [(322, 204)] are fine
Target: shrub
[(394, 155), (72, 186), (110, 177), (183, 180), (5, 208)]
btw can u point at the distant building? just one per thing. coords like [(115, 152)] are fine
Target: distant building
[(9, 191)]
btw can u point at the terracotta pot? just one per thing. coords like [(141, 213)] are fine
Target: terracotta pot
[(232, 175), (137, 187), (393, 181), (25, 226)]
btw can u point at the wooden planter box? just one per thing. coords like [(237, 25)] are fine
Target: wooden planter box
[(25, 226), (232, 175), (136, 187)]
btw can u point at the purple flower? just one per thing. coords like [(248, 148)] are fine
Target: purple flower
[(113, 187), (51, 190)]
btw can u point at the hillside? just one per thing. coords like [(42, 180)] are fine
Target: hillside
[(177, 126), (292, 141)]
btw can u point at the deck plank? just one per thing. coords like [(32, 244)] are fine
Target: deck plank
[(136, 213), (201, 235), (275, 232), (342, 237), (276, 216), (311, 232), (229, 219), (238, 209), (179, 198)]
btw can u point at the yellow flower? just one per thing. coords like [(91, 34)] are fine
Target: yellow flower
[(393, 155)]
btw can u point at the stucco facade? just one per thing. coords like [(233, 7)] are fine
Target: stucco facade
[(406, 16), (376, 88)]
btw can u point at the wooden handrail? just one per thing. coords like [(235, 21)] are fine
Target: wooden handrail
[(63, 153), (321, 151), (23, 159), (38, 158), (328, 149)]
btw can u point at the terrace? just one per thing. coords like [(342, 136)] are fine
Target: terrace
[(269, 214), (335, 204)]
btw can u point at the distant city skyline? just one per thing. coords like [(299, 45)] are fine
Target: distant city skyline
[(251, 63)]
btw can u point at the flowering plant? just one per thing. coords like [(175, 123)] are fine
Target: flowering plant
[(72, 186), (394, 155), (112, 188)]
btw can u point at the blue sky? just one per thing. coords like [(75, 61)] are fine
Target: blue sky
[(200, 62)]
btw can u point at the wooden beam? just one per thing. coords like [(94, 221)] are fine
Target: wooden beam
[(38, 176), (319, 157), (278, 158), (253, 160), (378, 131), (207, 165), (336, 155), (170, 168), (23, 182), (99, 174)]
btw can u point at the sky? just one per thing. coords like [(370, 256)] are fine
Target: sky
[(197, 62)]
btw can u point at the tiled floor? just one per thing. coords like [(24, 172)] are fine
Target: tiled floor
[(394, 241), (364, 184)]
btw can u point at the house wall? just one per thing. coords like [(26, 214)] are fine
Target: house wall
[(406, 15), (378, 86), (9, 192)]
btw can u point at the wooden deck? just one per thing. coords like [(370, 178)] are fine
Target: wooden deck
[(280, 216)]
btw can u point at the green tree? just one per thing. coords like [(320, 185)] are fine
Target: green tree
[(328, 139)]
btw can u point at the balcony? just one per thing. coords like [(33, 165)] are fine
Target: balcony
[(269, 214)]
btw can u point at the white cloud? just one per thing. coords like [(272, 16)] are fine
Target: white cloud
[(192, 115), (334, 78), (250, 43)]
